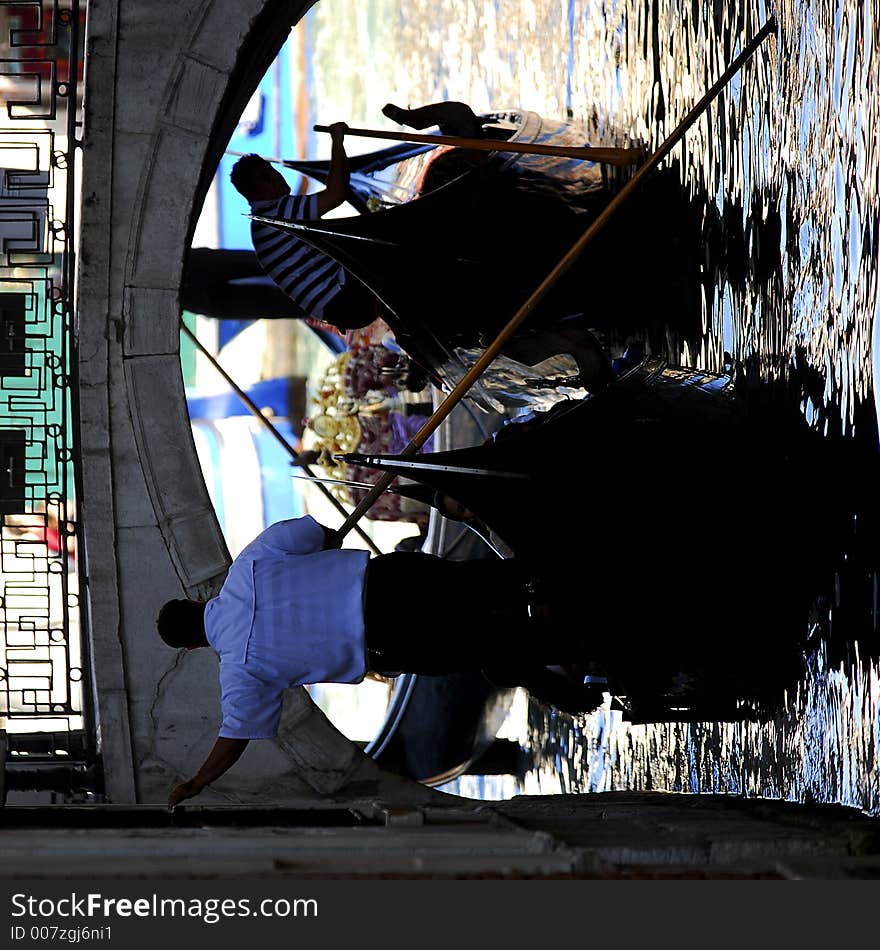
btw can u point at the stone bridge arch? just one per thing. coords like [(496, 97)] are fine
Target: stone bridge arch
[(165, 83)]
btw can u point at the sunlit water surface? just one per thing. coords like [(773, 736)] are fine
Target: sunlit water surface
[(788, 160)]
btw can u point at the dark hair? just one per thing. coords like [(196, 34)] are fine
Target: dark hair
[(245, 172), (181, 623)]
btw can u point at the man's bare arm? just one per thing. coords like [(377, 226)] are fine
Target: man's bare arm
[(337, 180), (223, 756)]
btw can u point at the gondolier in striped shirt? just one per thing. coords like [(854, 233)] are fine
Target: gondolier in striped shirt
[(314, 281)]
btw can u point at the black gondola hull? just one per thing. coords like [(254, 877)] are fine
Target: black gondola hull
[(668, 522)]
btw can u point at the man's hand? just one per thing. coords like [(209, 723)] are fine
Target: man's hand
[(224, 754), (182, 792), (332, 539), (337, 131)]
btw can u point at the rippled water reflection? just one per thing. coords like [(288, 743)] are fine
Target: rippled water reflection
[(786, 166), (821, 747)]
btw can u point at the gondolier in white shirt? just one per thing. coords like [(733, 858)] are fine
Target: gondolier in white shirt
[(296, 609), (315, 282)]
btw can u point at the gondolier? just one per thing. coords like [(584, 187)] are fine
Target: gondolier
[(317, 284), (314, 282), (295, 609)]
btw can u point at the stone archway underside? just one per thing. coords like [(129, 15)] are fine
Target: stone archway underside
[(165, 83)]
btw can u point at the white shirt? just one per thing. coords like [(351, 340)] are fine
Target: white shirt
[(287, 614)]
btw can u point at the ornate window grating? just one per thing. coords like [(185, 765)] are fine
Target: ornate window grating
[(43, 671)]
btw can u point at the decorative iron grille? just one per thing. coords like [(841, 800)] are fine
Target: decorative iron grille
[(43, 694)]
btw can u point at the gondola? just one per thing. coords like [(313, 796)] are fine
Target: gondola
[(673, 524), (452, 242)]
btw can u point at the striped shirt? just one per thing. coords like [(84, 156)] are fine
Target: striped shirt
[(308, 277)]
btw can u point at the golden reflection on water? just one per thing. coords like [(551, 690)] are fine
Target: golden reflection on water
[(789, 161)]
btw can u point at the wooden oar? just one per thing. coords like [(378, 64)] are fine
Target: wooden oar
[(471, 376), (587, 153)]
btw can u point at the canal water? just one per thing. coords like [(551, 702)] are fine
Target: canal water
[(784, 168)]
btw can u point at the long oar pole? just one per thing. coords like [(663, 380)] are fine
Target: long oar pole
[(255, 409), (471, 376), (588, 153)]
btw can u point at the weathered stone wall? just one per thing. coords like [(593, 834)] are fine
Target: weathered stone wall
[(165, 82)]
